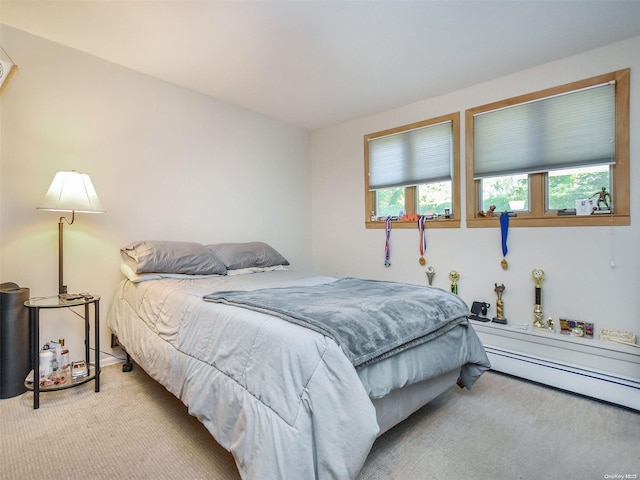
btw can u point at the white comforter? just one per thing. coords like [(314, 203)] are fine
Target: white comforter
[(283, 399)]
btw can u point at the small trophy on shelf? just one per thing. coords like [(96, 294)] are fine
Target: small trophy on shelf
[(454, 277), (499, 318), (538, 276), (431, 272)]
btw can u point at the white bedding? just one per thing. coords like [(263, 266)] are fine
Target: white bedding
[(283, 399)]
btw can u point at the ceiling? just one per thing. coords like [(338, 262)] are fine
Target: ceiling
[(318, 63)]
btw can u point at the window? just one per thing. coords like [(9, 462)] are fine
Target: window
[(564, 186), (538, 153), (412, 170)]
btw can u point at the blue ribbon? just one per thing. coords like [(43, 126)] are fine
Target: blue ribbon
[(504, 228)]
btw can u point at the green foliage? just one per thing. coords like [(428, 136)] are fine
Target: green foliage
[(500, 191), (434, 198), (563, 190), (390, 201), (566, 189)]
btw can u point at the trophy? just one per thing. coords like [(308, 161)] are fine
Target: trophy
[(538, 276), (454, 277), (431, 272), (499, 318)]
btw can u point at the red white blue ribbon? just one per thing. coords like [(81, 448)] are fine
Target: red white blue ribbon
[(423, 239), (387, 249)]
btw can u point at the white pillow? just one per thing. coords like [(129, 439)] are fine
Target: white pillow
[(244, 271), (143, 277), (135, 277)]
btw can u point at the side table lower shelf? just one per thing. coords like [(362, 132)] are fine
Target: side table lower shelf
[(74, 382)]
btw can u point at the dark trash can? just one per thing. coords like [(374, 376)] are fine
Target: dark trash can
[(15, 358)]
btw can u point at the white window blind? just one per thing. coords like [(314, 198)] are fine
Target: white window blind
[(575, 129), (413, 157)]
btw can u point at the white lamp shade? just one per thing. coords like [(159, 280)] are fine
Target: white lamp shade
[(72, 192)]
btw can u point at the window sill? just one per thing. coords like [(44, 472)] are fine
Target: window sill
[(527, 220), (439, 223)]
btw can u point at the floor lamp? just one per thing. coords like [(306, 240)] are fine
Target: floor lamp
[(69, 192)]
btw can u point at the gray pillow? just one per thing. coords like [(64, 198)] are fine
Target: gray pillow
[(171, 257), (245, 255)]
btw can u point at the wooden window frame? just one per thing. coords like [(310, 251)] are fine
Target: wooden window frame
[(411, 193), (538, 216)]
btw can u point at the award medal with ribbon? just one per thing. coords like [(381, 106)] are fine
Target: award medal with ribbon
[(423, 241), (504, 229), (387, 251)]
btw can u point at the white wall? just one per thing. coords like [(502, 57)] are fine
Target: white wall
[(171, 164), (167, 163), (580, 283)]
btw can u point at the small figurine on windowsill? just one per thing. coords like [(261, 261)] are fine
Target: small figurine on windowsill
[(602, 198), (488, 213)]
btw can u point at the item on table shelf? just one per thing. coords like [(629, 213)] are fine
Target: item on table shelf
[(499, 318), (56, 348), (64, 355), (79, 369), (46, 358), (54, 378), (538, 276)]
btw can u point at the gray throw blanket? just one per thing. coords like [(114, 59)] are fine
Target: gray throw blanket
[(369, 319)]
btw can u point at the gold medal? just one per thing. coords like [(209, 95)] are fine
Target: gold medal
[(504, 230), (422, 261)]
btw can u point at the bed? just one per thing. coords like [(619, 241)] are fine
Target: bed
[(289, 400)]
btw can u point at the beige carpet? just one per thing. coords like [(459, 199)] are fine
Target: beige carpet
[(503, 429)]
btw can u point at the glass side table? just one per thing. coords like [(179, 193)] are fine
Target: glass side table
[(34, 305)]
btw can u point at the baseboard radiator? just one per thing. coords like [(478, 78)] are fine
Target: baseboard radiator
[(604, 386)]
